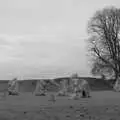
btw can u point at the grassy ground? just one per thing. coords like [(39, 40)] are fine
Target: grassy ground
[(103, 105)]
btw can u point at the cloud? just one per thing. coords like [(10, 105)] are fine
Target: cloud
[(41, 52), (45, 37)]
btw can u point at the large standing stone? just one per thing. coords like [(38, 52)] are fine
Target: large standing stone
[(40, 89), (80, 86), (63, 89), (13, 87)]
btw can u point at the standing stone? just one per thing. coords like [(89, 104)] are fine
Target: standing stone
[(80, 86), (63, 89), (40, 89), (13, 87)]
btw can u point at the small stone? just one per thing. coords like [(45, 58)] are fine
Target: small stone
[(67, 115), (52, 98), (25, 112), (106, 108), (71, 106), (82, 115), (90, 117)]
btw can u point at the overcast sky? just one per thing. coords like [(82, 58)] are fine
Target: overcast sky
[(45, 38)]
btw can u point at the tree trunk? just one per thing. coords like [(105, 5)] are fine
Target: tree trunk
[(116, 86)]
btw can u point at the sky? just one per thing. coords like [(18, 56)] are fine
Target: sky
[(45, 38)]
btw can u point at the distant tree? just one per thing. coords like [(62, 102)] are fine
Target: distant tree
[(104, 42)]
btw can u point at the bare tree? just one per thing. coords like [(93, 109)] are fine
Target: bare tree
[(104, 28)]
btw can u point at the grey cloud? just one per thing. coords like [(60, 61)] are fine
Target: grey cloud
[(4, 42)]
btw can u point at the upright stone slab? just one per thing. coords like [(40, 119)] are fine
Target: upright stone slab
[(63, 89), (80, 86), (13, 87), (40, 90)]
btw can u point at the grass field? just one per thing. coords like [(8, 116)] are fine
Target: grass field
[(101, 106)]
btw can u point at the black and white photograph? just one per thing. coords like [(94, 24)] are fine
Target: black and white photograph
[(59, 59)]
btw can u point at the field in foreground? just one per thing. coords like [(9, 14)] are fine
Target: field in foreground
[(101, 106)]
